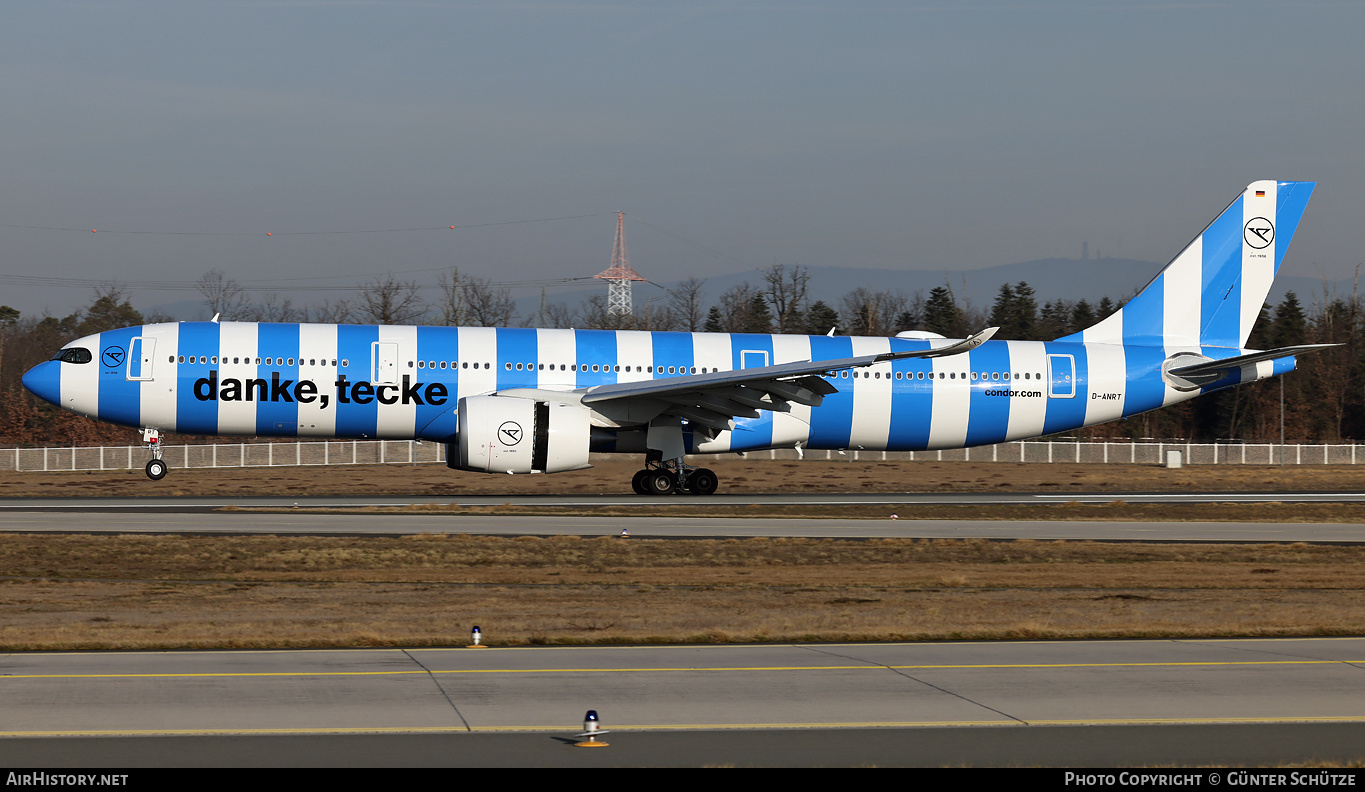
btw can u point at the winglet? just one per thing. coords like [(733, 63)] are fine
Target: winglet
[(966, 345)]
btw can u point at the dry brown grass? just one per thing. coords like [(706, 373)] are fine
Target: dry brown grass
[(1115, 511), (736, 476), (68, 592)]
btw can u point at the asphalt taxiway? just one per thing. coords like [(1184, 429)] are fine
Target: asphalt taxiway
[(767, 704), (304, 522), (618, 501)]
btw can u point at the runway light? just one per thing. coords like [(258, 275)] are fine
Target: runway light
[(267, 233), (474, 637), (591, 730), (93, 230)]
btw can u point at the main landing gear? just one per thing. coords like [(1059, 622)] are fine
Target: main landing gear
[(667, 478), (157, 467)]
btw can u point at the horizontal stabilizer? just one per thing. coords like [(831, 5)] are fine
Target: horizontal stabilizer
[(1209, 367)]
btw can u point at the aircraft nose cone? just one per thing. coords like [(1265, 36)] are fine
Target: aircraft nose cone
[(45, 380)]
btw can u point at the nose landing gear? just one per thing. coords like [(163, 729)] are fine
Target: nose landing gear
[(157, 467)]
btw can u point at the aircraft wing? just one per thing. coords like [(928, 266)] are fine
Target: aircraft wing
[(716, 398)]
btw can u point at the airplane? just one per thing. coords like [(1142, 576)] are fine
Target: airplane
[(524, 400)]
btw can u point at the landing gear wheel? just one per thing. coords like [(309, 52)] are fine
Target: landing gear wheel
[(156, 470), (660, 482), (638, 483), (702, 482)]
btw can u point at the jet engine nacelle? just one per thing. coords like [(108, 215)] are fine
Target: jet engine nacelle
[(501, 434)]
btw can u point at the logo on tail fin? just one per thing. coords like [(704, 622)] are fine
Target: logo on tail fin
[(1259, 232)]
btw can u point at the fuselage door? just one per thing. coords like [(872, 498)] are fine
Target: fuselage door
[(1061, 376), (384, 363), (753, 358), (141, 351)]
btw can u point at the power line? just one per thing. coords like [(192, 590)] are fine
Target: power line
[(308, 283), (298, 233), (698, 245)]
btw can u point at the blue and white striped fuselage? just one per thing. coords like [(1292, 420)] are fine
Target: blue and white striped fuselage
[(402, 382)]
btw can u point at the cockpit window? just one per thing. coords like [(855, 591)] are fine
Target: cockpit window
[(73, 355)]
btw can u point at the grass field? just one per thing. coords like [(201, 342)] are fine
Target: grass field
[(165, 592)]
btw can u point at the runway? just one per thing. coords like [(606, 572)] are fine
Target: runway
[(694, 705), (668, 527), (612, 500)]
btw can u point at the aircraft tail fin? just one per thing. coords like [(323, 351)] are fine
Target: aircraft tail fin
[(1212, 293)]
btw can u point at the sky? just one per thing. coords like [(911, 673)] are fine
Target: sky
[(940, 136)]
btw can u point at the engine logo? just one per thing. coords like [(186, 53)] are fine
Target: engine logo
[(510, 433)]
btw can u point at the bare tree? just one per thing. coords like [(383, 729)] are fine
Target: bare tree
[(276, 310), (736, 305), (684, 301), (9, 317), (390, 301), (654, 317), (487, 305), (224, 296), (559, 315), (453, 306), (870, 312), (786, 294), (339, 312)]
